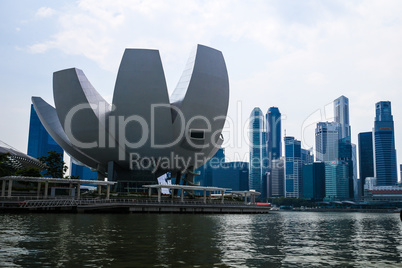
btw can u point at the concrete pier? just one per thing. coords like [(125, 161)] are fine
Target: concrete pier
[(127, 206)]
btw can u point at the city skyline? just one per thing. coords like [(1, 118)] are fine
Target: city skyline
[(212, 133), (299, 63)]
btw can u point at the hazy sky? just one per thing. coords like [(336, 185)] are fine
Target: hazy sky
[(296, 55)]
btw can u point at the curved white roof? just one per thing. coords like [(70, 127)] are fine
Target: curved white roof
[(142, 120)]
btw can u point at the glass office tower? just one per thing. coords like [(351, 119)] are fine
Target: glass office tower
[(327, 135), (257, 148), (384, 145), (273, 119), (293, 168), (276, 178), (83, 172), (366, 158), (40, 143), (314, 181), (341, 113), (337, 180)]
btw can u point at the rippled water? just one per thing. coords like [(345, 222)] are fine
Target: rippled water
[(289, 239)]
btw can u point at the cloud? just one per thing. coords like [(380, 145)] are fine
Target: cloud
[(316, 78), (297, 55), (39, 47), (45, 12)]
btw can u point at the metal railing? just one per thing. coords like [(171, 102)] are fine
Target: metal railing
[(48, 203), (34, 202), (155, 201), (68, 201)]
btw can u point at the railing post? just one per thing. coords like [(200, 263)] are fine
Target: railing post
[(108, 191), (46, 188), (10, 186), (70, 190), (3, 189), (38, 190), (78, 191)]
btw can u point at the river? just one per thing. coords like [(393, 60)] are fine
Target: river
[(287, 239)]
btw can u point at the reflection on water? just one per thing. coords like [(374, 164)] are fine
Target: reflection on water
[(121, 240)]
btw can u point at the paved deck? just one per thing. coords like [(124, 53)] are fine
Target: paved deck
[(127, 206)]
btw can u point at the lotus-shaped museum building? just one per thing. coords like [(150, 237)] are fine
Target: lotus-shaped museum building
[(144, 133)]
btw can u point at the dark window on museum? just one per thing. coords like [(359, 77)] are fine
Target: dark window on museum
[(197, 134)]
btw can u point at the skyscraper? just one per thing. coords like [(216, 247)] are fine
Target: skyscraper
[(400, 170), (327, 135), (314, 181), (216, 172), (384, 145), (40, 143), (337, 180), (257, 171), (345, 155), (276, 178), (293, 168), (265, 165), (335, 151), (206, 171), (82, 172), (306, 156), (273, 119), (366, 157), (355, 180), (341, 113), (233, 175)]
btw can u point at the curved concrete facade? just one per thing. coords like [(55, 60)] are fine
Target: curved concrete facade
[(142, 121)]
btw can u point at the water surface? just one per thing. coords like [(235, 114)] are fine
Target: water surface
[(289, 239)]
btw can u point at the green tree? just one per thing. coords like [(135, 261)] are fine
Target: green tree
[(55, 164), (5, 167), (29, 172)]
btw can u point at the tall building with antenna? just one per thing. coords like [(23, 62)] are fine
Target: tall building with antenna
[(385, 169)]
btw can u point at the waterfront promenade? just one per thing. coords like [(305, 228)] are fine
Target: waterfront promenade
[(127, 205)]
